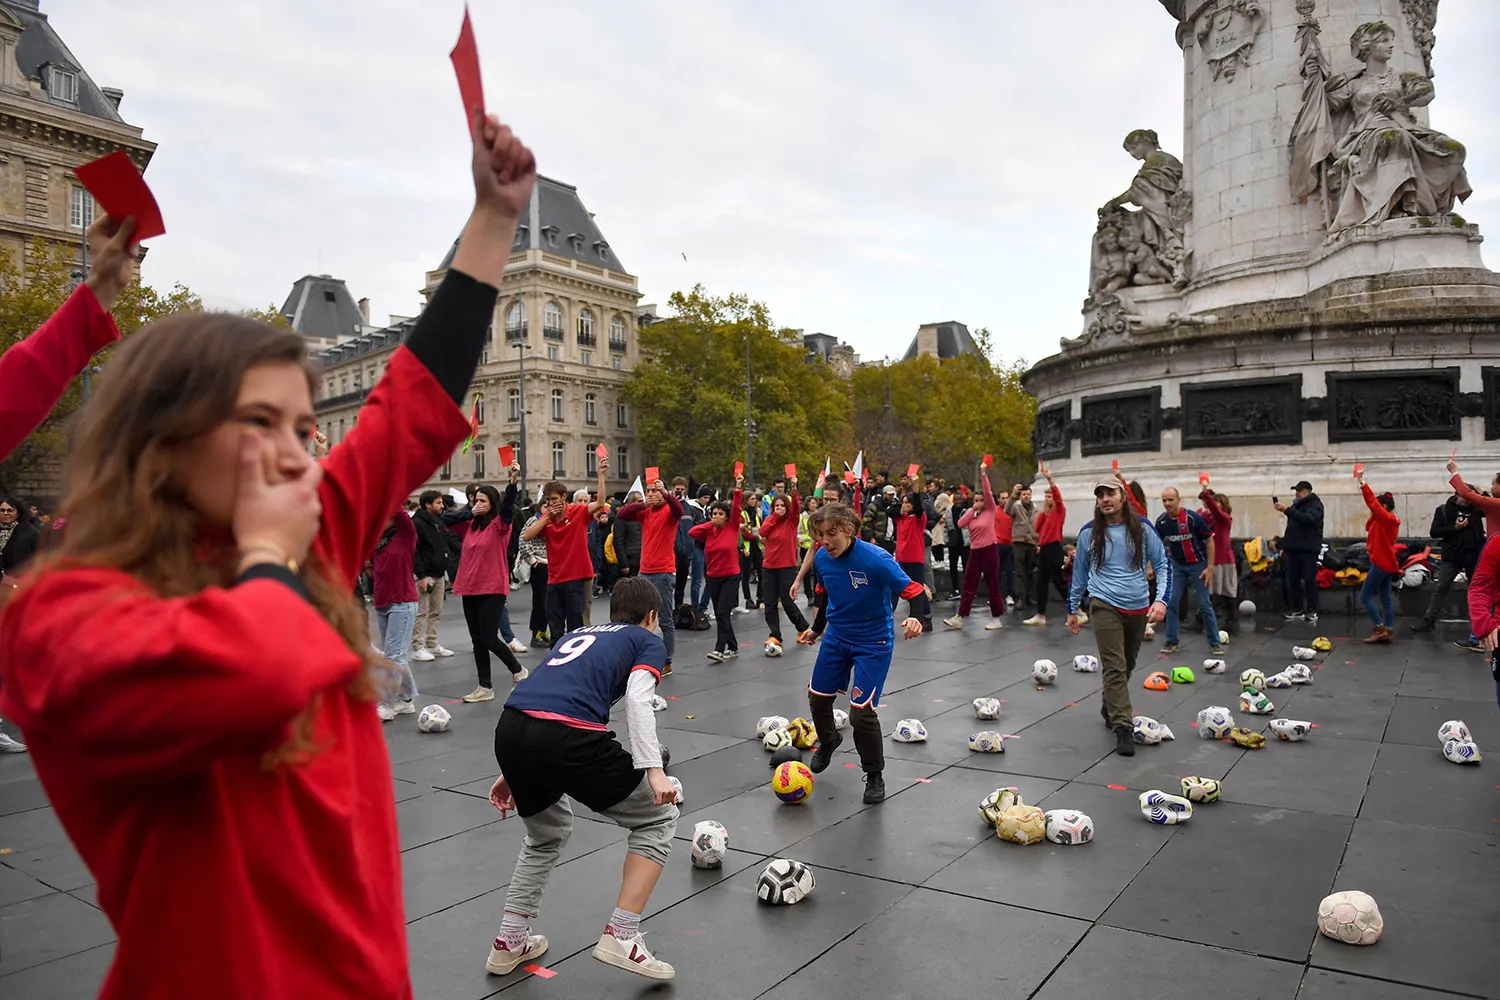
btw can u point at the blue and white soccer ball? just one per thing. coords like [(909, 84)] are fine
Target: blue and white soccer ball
[(1462, 751), (1453, 729), (840, 719), (710, 843), (1044, 671), (434, 719), (910, 731), (1069, 826), (1298, 673), (1281, 680), (1148, 731), (987, 708), (770, 722), (1215, 722), (1164, 809), (1085, 664), (987, 742)]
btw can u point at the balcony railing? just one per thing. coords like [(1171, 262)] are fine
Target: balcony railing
[(552, 332), (617, 345), (588, 340), (515, 334)]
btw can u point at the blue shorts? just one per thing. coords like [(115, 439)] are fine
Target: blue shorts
[(868, 661)]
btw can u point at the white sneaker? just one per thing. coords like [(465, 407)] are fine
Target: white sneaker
[(386, 712), (441, 651), (480, 694), (631, 956), (955, 622), (517, 646), (518, 678), (716, 656), (423, 655), (1312, 618), (404, 707), (8, 745), (1010, 602), (730, 654), (503, 961), (994, 625), (1037, 619)]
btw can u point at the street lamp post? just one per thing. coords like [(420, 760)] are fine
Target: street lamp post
[(82, 275), (749, 419), (521, 355)]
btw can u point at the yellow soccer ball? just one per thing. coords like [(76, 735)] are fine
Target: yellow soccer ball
[(1022, 825), (803, 733), (792, 782)]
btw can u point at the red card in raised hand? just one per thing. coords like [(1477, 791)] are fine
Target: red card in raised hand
[(1359, 469), (849, 476), (791, 470), (465, 56), (652, 475), (1115, 464), (1453, 457), (1202, 479), (912, 470), (739, 469), (507, 456), (601, 451), (120, 190), (988, 461)]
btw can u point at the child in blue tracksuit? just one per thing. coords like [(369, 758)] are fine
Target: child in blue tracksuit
[(859, 580)]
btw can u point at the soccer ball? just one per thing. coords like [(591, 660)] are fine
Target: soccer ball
[(1044, 671), (677, 784), (784, 882), (786, 753), (803, 733), (1247, 607), (1085, 664), (773, 648), (775, 739), (1281, 680), (840, 719), (1223, 637), (1247, 738), (1256, 703), (1322, 644), (1164, 809), (986, 742), (792, 782), (1351, 917), (1298, 673), (1148, 731), (1253, 680), (1201, 789), (434, 719), (1069, 826), (1290, 729), (1453, 729), (1183, 675), (1214, 666), (1462, 751), (710, 841), (1303, 653), (987, 708), (1214, 721), (1022, 825), (993, 804), (658, 703), (666, 754), (910, 731), (768, 723)]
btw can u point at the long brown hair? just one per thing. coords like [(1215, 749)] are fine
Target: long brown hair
[(172, 382)]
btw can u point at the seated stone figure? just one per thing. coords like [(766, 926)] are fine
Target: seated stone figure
[(1112, 268), (1145, 268)]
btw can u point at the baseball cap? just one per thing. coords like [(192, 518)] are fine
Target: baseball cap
[(890, 491), (1303, 485), (1107, 484)]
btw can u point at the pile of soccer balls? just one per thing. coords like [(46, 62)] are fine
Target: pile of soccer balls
[(1017, 823), (1458, 743)]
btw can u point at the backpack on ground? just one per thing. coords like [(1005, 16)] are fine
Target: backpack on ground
[(691, 619)]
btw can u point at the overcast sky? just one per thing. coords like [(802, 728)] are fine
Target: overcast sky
[(861, 167)]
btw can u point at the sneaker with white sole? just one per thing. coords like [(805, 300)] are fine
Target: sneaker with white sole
[(8, 745), (404, 706), (422, 655), (1312, 618), (716, 656), (480, 693), (994, 625), (441, 651), (1037, 619), (517, 646), (955, 622), (631, 956), (730, 654), (518, 678), (503, 961), (386, 712)]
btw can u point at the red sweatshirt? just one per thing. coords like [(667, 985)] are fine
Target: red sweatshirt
[(1380, 533), (1484, 591), (658, 532), (35, 373), (1049, 527), (721, 543), (568, 546), (1489, 505), (778, 535), (148, 717), (911, 532), (1219, 523), (392, 565)]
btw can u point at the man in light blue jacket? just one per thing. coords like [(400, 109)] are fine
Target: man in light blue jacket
[(1113, 550)]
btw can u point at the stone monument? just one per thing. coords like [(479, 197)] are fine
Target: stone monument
[(1295, 294)]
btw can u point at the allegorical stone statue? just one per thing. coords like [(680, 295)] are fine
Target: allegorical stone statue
[(1357, 143), (1143, 247)]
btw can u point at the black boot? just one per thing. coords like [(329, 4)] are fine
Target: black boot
[(1425, 625), (1104, 714), (820, 707), (1124, 742), (874, 787), (868, 739)]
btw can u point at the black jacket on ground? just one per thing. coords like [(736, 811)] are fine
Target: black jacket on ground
[(1460, 545), (434, 546), (1304, 525)]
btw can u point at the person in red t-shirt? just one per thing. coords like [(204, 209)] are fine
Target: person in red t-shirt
[(658, 515), (1380, 535), (570, 571), (721, 548), (396, 608), (1050, 556), (911, 554), (778, 536), (190, 666)]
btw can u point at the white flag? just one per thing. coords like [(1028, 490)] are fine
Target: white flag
[(859, 466), (457, 496), (636, 487)]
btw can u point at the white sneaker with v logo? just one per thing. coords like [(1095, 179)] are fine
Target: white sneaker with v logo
[(631, 956)]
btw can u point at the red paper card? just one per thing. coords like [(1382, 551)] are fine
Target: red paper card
[(739, 469), (652, 475), (120, 190), (849, 476), (1116, 464), (601, 451), (912, 470), (507, 456), (465, 56), (1359, 469), (988, 461), (1453, 457), (1202, 479), (791, 471)]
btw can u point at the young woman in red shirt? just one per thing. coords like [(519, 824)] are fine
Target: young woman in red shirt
[(483, 582), (190, 664), (911, 554), (778, 536), (1050, 556), (1380, 539), (721, 547), (570, 571), (395, 587)]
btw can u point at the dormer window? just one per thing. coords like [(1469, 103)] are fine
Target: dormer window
[(520, 240), (602, 248), (63, 85), (577, 242), (550, 232)]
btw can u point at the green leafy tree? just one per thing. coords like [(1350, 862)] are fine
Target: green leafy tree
[(269, 315), (32, 289), (689, 392)]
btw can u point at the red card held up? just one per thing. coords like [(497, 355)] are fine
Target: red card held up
[(120, 190), (1202, 479), (912, 470), (849, 476), (601, 451), (989, 460), (790, 470), (1359, 469), (507, 456), (465, 56), (739, 469), (1116, 464), (652, 475)]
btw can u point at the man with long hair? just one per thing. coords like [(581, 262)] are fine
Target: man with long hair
[(1113, 550)]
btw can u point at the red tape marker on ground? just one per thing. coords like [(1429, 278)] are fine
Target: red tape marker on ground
[(453, 701), (1118, 788), (672, 697), (848, 765), (1071, 704), (537, 970), (925, 781)]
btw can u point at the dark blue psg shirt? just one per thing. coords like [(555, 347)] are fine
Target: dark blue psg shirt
[(587, 672)]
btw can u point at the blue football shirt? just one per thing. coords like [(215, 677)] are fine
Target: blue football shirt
[(586, 673), (861, 586)]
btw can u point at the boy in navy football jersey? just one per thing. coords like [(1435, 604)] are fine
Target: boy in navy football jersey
[(860, 581), (553, 743)]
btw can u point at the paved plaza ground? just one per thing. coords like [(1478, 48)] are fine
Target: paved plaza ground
[(915, 897)]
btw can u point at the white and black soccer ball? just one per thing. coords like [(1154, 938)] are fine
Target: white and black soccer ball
[(910, 731), (840, 719), (775, 739), (770, 722), (1453, 729), (1214, 722), (784, 882), (677, 784), (1044, 671), (1291, 730), (1303, 652), (1281, 680), (434, 719), (1069, 826), (1213, 666), (773, 649), (987, 709), (1299, 673), (1253, 680), (987, 742), (658, 703), (710, 842), (1084, 663), (1462, 751)]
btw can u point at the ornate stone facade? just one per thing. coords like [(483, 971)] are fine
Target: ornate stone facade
[(1402, 405), (1121, 422), (1245, 412), (1227, 31)]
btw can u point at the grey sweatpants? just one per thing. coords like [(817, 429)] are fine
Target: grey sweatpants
[(651, 830)]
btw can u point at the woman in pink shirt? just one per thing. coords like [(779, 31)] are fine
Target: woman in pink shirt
[(984, 559), (1224, 583), (396, 607), (483, 581)]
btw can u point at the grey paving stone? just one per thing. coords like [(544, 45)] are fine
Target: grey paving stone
[(40, 848), (1108, 960), (41, 930), (1417, 785), (1318, 774), (1320, 984), (440, 814), (76, 977), (1416, 720)]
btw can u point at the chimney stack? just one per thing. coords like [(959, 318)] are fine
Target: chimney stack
[(364, 310), (114, 95)]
